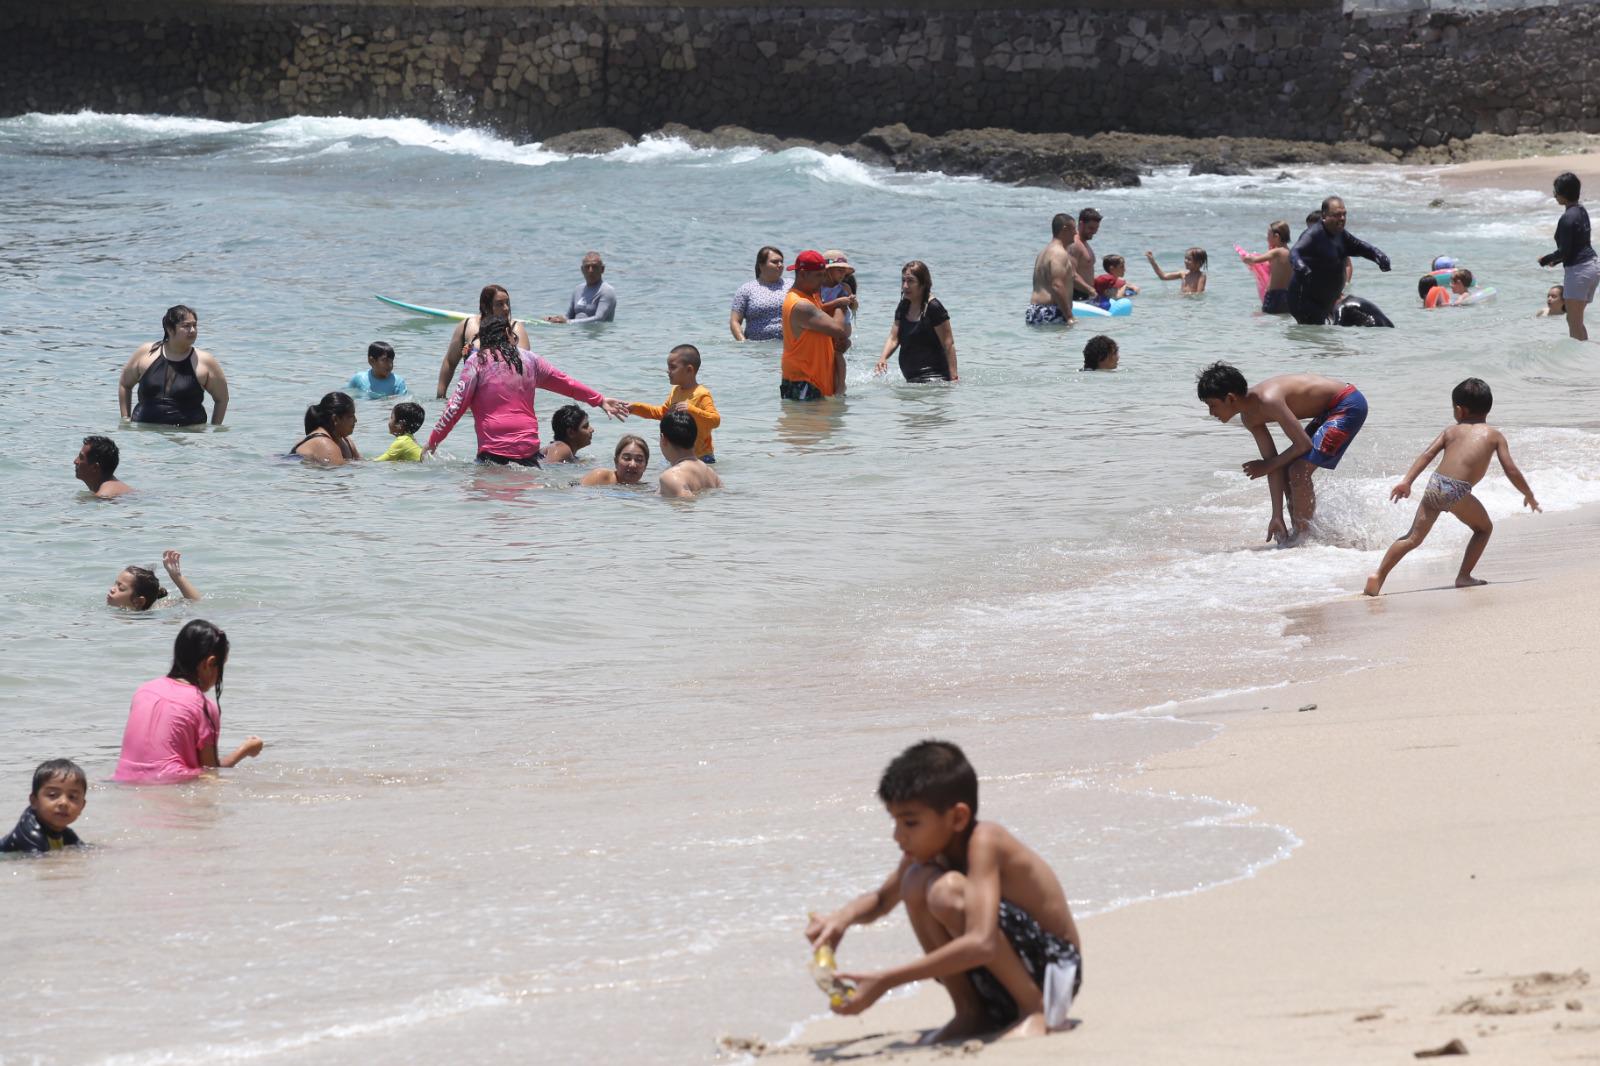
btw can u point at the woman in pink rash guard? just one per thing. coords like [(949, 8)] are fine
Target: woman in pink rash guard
[(497, 384), (172, 725)]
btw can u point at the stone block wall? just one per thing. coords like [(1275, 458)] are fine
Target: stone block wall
[(1302, 69)]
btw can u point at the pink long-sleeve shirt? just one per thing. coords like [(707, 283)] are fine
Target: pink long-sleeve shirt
[(501, 402)]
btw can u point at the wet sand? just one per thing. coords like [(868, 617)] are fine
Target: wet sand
[(1446, 795), (1535, 173)]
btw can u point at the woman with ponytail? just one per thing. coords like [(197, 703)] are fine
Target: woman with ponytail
[(173, 376), (172, 727), (497, 384), (329, 423)]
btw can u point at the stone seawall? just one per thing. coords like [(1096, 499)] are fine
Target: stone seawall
[(1303, 69)]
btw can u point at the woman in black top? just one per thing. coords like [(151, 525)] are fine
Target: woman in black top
[(921, 330), (173, 376), (1574, 252)]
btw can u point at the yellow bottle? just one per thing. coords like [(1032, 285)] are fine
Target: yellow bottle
[(822, 972)]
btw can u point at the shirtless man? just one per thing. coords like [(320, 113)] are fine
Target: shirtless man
[(1337, 411), (492, 301), (687, 476), (96, 466), (1051, 301), (1083, 255)]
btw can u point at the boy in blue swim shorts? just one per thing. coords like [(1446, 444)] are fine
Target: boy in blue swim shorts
[(1337, 411)]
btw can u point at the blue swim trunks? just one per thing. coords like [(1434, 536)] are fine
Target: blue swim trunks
[(1043, 315), (1332, 431), (1275, 302)]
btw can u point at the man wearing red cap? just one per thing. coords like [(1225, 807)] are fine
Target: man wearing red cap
[(811, 370)]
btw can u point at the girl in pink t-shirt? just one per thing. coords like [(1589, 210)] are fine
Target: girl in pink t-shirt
[(172, 727)]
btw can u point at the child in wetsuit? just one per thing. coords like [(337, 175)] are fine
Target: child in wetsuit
[(963, 881), (404, 420), (60, 789), (1467, 446)]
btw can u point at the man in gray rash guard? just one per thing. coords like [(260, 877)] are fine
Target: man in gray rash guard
[(1318, 259), (593, 301)]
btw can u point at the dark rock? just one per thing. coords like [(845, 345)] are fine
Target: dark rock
[(1217, 165)]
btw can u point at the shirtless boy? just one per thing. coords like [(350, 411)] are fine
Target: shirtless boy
[(1337, 411), (1082, 253), (687, 476), (987, 909), (1051, 301), (1467, 446), (96, 466), (1275, 301)]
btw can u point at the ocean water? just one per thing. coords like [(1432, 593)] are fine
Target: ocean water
[(556, 772)]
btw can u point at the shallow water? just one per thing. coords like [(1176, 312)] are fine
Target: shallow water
[(563, 769)]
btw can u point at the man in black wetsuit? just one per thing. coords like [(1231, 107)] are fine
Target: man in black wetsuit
[(1318, 259)]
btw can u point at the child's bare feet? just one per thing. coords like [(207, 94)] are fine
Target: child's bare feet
[(1467, 581), (1373, 585), (957, 1028), (1032, 1025)]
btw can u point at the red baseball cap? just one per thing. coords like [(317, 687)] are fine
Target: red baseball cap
[(809, 260)]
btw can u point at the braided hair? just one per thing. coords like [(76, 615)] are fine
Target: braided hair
[(495, 336)]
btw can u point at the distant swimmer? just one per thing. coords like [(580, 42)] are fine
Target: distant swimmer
[(173, 376), (138, 589), (1467, 446), (1193, 275), (687, 477), (1318, 260), (1574, 252), (812, 368), (1101, 353), (1081, 252), (96, 467), (757, 312), (1337, 411), (630, 460), (592, 301), (328, 425), (1051, 300), (379, 379), (493, 300), (1275, 301)]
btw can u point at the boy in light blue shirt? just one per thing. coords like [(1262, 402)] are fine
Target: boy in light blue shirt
[(379, 379)]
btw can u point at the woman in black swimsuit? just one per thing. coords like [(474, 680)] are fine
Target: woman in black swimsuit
[(173, 377), (329, 423), (921, 330)]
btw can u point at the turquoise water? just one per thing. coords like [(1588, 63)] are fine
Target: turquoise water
[(563, 769)]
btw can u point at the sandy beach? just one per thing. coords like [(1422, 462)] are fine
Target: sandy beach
[(1446, 800), (1535, 172)]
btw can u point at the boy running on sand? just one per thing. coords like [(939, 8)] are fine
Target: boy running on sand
[(1337, 411), (1467, 446), (987, 909)]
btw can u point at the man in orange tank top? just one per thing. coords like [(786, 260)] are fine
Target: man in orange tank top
[(811, 370)]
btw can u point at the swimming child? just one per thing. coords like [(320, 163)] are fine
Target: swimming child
[(1467, 446), (1100, 353), (138, 589), (1194, 271), (60, 789), (683, 369), (686, 476), (379, 379), (630, 460), (1112, 285), (404, 420), (1441, 296), (1554, 303), (1337, 411), (172, 727), (1275, 301), (96, 466), (987, 909), (573, 433)]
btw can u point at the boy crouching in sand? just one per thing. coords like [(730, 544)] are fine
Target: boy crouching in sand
[(1467, 446), (987, 909)]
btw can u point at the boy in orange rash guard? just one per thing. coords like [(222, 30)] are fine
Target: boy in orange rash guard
[(683, 368)]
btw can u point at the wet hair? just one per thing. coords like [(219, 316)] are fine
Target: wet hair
[(486, 299), (198, 641), (1088, 214), (146, 587), (1098, 350), (627, 439), (679, 428), (1313, 218), (1062, 221), (380, 350), (175, 314), (1463, 275), (761, 256), (1568, 186), (1326, 201), (495, 337), (411, 416), (1109, 261), (51, 769), (321, 414), (566, 420), (1280, 230), (1199, 257), (919, 270), (934, 772), (1219, 381), (1424, 284), (104, 454), (1559, 290), (689, 353), (1474, 395)]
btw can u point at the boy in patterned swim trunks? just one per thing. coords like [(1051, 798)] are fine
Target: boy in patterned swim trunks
[(1468, 446), (987, 909)]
